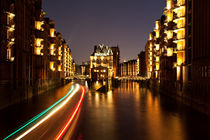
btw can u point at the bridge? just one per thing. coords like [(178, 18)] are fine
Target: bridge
[(79, 77), (133, 78)]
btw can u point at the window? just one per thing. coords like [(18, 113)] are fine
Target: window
[(8, 53)]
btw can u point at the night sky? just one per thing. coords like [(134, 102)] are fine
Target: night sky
[(85, 23)]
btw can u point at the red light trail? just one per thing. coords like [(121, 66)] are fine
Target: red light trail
[(64, 129)]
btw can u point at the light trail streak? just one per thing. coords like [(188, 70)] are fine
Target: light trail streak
[(39, 115), (50, 114), (63, 131)]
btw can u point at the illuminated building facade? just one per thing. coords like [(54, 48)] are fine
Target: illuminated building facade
[(31, 52), (177, 52), (128, 68), (167, 44), (85, 68), (101, 63)]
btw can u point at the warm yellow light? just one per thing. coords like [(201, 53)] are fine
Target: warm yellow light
[(157, 59), (169, 51), (52, 66), (178, 72), (157, 47), (150, 69), (37, 50), (179, 61), (180, 2), (38, 25), (52, 32), (169, 16), (38, 41), (181, 44), (150, 53), (52, 52), (11, 29), (157, 33), (11, 15), (169, 4), (180, 58), (151, 44), (170, 34), (59, 68), (150, 62), (150, 57), (180, 11), (180, 33), (52, 46), (157, 25), (157, 66), (59, 57), (150, 36), (180, 22)]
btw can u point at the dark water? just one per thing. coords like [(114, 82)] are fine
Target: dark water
[(128, 112), (134, 112)]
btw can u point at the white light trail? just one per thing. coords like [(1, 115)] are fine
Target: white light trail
[(50, 114)]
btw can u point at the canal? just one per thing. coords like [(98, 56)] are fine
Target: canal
[(132, 111), (129, 111)]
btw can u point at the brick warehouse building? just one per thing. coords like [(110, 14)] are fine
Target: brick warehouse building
[(128, 68), (32, 54), (178, 56), (116, 60)]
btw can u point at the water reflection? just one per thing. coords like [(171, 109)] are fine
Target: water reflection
[(134, 112)]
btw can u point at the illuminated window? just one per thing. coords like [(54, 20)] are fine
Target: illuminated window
[(180, 22), (180, 58), (180, 33), (169, 51), (37, 50), (180, 11), (38, 25), (180, 2), (59, 68), (52, 32), (169, 16), (9, 53), (157, 33), (150, 36), (181, 45), (52, 66), (150, 44), (170, 34), (10, 18), (157, 67), (169, 4), (38, 42), (157, 47), (157, 25), (157, 59)]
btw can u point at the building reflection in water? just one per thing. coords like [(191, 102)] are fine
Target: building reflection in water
[(132, 111)]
